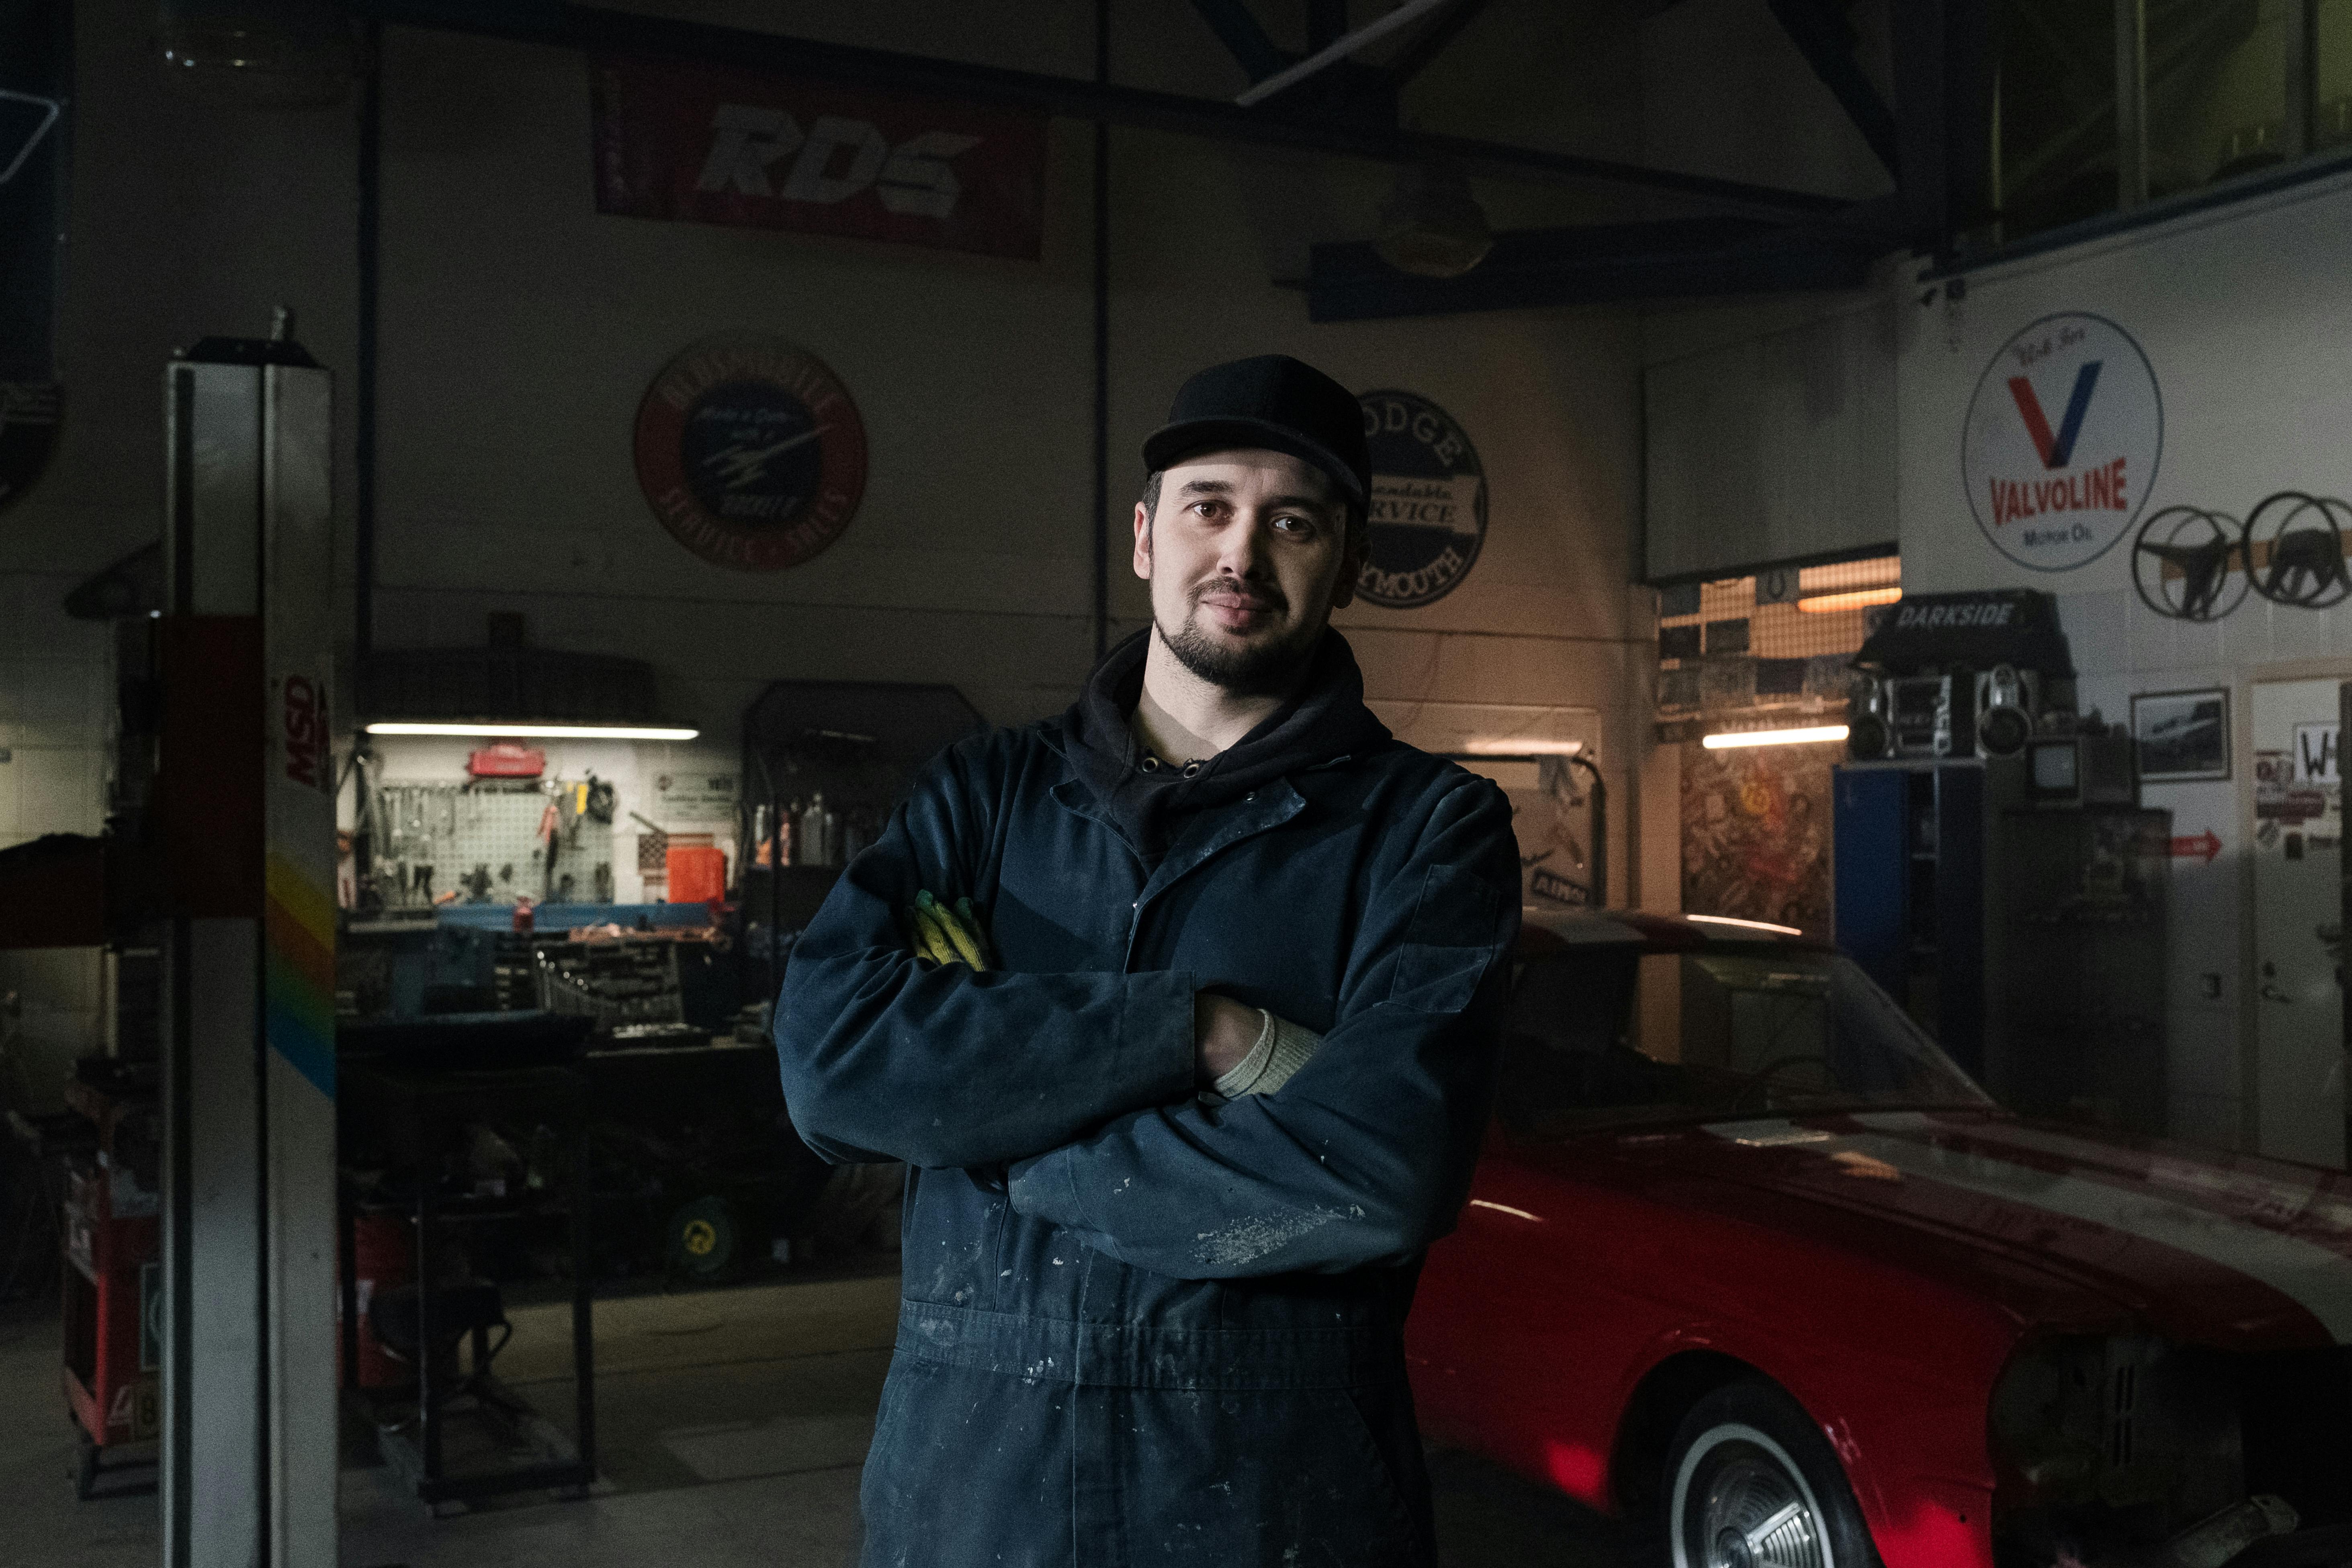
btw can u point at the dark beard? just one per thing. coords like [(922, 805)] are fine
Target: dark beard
[(1267, 670)]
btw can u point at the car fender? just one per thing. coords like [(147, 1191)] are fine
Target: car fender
[(1919, 1469)]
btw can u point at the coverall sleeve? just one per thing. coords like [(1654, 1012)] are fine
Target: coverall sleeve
[(1364, 1156), (886, 1058)]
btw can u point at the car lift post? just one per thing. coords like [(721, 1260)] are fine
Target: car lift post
[(244, 845)]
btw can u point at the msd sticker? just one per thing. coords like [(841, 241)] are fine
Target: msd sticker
[(2062, 442)]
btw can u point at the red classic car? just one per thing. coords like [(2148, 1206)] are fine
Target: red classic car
[(1748, 1257)]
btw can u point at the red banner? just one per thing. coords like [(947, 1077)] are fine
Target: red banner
[(706, 144)]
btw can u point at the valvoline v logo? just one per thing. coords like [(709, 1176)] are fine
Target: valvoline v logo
[(2056, 497), (2056, 449)]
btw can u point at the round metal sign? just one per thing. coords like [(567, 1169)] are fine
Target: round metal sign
[(750, 452), (2062, 442), (1428, 504)]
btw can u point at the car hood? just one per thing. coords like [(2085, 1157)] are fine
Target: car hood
[(2229, 1250)]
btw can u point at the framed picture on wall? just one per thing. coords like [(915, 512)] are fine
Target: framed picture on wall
[(2183, 735)]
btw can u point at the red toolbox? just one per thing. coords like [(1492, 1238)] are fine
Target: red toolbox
[(113, 1294), (114, 1305)]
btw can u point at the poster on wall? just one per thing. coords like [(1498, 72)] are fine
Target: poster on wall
[(1428, 504), (2183, 735), (750, 452), (2300, 791), (1552, 817), (1756, 824), (708, 144), (2062, 441), (694, 797)]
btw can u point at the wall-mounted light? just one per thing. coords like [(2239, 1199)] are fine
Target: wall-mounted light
[(536, 732), (1816, 734), (1433, 226), (1744, 925), (1850, 599)]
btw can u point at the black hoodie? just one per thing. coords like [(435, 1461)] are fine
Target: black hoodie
[(1325, 721)]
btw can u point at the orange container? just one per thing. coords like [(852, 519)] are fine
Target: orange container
[(698, 874)]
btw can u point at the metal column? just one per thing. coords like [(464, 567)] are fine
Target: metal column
[(246, 843)]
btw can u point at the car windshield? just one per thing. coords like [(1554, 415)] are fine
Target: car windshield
[(1604, 1036)]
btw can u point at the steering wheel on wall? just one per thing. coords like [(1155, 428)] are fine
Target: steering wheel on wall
[(2294, 550), (2181, 559)]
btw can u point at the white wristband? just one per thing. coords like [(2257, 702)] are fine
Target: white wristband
[(1281, 1049)]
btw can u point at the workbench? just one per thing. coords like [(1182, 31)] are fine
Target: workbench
[(415, 1115)]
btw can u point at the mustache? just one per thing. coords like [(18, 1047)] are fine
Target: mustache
[(1264, 593)]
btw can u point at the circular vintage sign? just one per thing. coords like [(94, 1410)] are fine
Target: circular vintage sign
[(750, 452), (1428, 502), (2063, 440)]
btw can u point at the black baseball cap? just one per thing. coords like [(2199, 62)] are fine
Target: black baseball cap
[(1272, 401)]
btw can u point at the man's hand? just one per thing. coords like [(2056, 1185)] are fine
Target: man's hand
[(946, 934), (1223, 1030)]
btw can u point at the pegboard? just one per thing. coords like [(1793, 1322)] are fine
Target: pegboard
[(454, 831)]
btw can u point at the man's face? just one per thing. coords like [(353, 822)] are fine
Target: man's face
[(1247, 558)]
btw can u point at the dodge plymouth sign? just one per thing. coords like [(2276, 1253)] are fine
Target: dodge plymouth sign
[(1428, 505), (2062, 443)]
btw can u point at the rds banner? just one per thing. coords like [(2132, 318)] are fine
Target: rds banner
[(2062, 442)]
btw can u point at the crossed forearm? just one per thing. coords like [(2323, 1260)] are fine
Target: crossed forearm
[(1240, 1049)]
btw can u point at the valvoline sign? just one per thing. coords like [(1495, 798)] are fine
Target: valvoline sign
[(2063, 439)]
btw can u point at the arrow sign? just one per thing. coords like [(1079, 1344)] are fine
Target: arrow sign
[(2202, 847)]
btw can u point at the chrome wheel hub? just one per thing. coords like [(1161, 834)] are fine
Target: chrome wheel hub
[(1753, 1516)]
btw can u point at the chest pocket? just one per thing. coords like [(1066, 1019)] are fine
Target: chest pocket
[(1448, 942)]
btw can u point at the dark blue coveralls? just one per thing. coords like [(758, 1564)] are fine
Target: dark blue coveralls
[(1141, 1326)]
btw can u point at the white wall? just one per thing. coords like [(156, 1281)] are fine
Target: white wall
[(2245, 314), (1773, 448), (519, 329), (1769, 428)]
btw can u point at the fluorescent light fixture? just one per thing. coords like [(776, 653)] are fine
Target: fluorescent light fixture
[(537, 731), (1850, 599), (1806, 737), (1747, 925), (1483, 746)]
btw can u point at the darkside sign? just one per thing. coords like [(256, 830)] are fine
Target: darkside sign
[(707, 144)]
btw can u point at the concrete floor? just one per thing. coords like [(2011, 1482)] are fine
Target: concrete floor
[(732, 1426)]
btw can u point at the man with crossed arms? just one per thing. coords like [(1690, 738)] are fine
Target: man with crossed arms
[(1182, 1010)]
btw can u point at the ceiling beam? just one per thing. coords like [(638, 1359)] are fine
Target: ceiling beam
[(552, 21), (1819, 29), (1943, 93), (1431, 41), (1238, 30), (1326, 21), (1338, 50), (1600, 264)]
